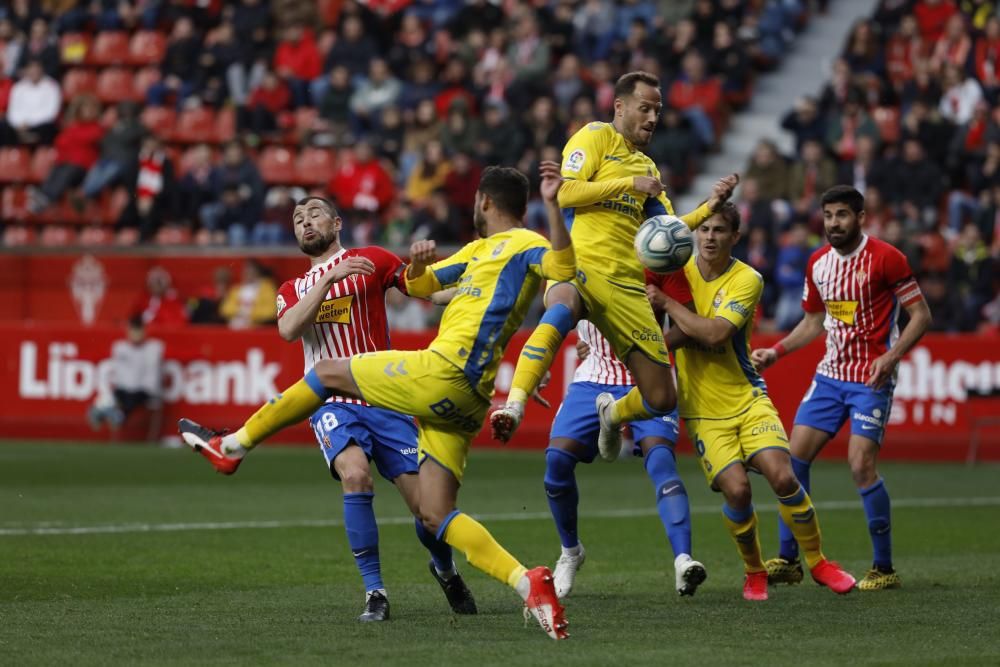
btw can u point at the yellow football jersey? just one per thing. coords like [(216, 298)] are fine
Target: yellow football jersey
[(721, 382), (497, 279), (604, 232)]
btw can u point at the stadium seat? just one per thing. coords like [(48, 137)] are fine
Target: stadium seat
[(15, 165), (115, 84), (110, 48), (160, 121), (195, 126), (14, 204), (78, 80), (184, 161), (143, 79), (73, 48), (55, 236), (95, 235), (329, 12), (276, 165), (314, 166), (147, 48), (41, 163), (18, 235), (225, 125)]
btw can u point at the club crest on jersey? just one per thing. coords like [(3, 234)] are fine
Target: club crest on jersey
[(842, 310), (861, 276), (281, 304), (336, 311), (575, 160), (717, 301), (499, 248)]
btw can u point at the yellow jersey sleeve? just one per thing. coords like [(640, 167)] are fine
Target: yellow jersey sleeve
[(582, 158), (739, 305), (441, 274), (559, 265)]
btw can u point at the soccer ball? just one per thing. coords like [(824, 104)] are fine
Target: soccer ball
[(664, 243)]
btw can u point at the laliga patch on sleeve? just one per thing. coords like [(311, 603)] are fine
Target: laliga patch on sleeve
[(281, 304), (575, 160)]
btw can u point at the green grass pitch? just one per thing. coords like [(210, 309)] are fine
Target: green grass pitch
[(135, 555)]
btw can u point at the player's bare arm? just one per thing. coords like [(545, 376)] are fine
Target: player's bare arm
[(552, 182), (807, 330), (884, 366), (674, 337), (298, 318), (443, 297), (422, 255), (707, 331), (722, 190)]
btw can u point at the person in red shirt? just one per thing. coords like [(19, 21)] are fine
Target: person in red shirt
[(698, 96), (360, 184), (932, 16), (77, 149), (270, 98), (160, 304), (298, 62)]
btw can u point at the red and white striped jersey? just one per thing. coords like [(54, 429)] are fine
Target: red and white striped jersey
[(352, 318), (861, 294), (602, 366)]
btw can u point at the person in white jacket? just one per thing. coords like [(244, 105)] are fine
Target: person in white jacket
[(33, 108)]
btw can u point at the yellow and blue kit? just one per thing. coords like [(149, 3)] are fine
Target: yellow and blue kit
[(449, 385), (603, 213), (721, 397)]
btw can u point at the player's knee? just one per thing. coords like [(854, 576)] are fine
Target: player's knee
[(784, 483), (331, 371), (738, 495), (863, 471), (660, 398), (431, 519), (356, 479)]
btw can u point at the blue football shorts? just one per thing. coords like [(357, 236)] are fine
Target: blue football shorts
[(829, 403), (387, 438)]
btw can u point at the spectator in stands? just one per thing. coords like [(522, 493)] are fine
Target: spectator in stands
[(967, 148), (756, 211), (916, 186), (460, 132), (961, 95), (381, 89), (804, 121), (387, 139), (542, 125), (411, 44), (683, 41), (32, 108), (594, 29), (353, 49), (420, 85), (567, 83), (863, 53), (479, 15), (336, 122), (932, 16), (160, 305), (455, 84), (698, 96), (136, 380), (924, 123), (41, 46), (226, 64), (675, 148), (279, 205), (971, 275), (11, 43), (119, 152), (179, 69), (259, 117), (361, 185), (810, 176), (836, 91), (846, 127), (424, 128), (461, 183), (768, 167), (730, 62), (239, 197), (195, 185), (438, 221), (947, 309), (297, 60), (77, 149), (878, 214), (251, 303), (986, 57), (428, 176), (152, 194), (759, 251), (500, 141), (987, 216), (894, 233), (904, 48), (790, 273), (528, 57), (954, 46), (204, 307)]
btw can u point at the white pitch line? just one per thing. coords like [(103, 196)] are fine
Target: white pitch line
[(829, 506)]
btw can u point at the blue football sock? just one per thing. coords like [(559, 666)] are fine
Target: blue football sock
[(671, 498), (362, 535), (875, 498), (440, 550), (789, 549), (560, 487)]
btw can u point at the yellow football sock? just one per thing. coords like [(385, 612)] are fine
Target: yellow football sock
[(536, 358), (471, 537), (287, 408), (742, 525), (630, 408), (799, 515)]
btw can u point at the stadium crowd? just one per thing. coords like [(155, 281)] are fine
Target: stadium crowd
[(176, 121)]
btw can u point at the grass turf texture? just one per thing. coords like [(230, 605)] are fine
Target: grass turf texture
[(290, 594)]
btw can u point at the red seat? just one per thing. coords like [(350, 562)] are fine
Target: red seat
[(14, 204), (225, 125), (195, 126), (143, 79), (110, 48), (160, 121), (184, 162), (41, 163), (276, 165), (73, 48), (115, 84), (15, 165), (314, 166), (78, 80), (147, 48), (56, 236)]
